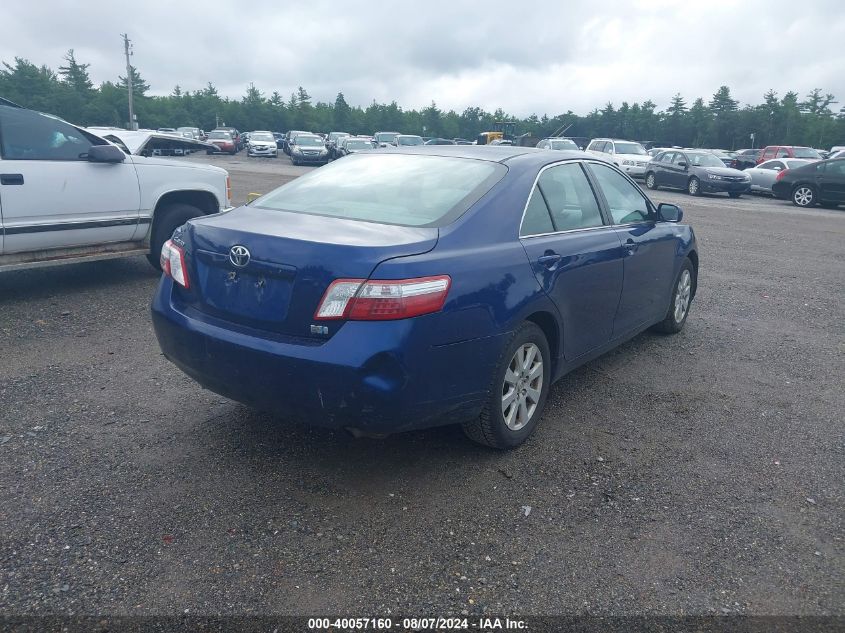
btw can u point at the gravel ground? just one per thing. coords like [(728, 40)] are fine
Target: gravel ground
[(694, 474)]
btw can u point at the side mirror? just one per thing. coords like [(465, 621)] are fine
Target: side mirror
[(105, 154), (682, 163), (669, 212)]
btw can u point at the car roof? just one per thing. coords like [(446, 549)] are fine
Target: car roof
[(495, 153)]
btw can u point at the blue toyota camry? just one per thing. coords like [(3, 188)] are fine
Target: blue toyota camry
[(394, 290)]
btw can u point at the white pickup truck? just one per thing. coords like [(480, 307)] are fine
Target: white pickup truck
[(67, 194)]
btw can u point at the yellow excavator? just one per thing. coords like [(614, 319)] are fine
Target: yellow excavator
[(502, 131)]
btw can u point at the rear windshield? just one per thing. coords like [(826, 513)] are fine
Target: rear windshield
[(565, 144), (222, 135), (806, 152), (390, 189), (358, 145)]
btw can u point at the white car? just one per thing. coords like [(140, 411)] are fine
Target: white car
[(71, 195), (629, 156), (763, 175), (262, 143)]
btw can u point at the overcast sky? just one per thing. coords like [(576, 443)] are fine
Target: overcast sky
[(522, 55)]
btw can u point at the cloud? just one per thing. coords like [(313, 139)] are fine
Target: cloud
[(527, 57)]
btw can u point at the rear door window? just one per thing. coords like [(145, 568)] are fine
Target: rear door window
[(562, 200)]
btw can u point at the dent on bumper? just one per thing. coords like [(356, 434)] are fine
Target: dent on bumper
[(370, 376)]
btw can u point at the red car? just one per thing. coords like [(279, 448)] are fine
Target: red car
[(224, 142), (788, 151)]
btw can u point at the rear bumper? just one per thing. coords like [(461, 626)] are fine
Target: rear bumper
[(376, 377)]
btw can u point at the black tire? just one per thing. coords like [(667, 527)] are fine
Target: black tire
[(694, 186), (651, 181), (804, 196), (490, 428), (294, 162), (734, 194), (166, 220), (209, 152), (671, 324), (233, 152)]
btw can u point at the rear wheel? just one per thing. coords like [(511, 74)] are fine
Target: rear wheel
[(518, 392), (679, 307), (803, 196), (694, 187), (651, 181), (165, 220)]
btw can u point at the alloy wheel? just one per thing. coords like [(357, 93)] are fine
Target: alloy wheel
[(682, 296), (692, 187), (522, 387), (803, 196)]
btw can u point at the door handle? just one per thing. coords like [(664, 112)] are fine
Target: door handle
[(549, 261), (11, 179), (630, 245)]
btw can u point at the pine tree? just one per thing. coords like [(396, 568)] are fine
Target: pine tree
[(139, 86), (75, 74)]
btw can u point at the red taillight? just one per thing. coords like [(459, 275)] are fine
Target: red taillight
[(781, 174), (173, 263), (383, 299)]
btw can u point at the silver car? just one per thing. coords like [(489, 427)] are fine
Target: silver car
[(262, 143), (763, 175)]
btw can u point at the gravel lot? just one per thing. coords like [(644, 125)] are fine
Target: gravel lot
[(695, 474)]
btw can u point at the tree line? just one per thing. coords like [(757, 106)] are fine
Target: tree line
[(718, 122)]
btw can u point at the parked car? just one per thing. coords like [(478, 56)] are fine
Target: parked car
[(383, 139), (308, 148), (223, 141), (821, 182), (558, 143), (745, 158), (462, 141), (280, 139), (262, 143), (440, 141), (629, 156), (289, 136), (237, 138), (837, 154), (381, 309), (69, 195), (149, 142), (725, 156), (333, 141), (407, 140), (763, 175), (695, 171), (353, 144), (195, 132), (788, 151)]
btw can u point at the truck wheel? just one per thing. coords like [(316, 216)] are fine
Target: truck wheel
[(167, 219)]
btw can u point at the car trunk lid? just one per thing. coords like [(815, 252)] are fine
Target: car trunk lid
[(292, 259)]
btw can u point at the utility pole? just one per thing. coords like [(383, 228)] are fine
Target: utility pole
[(127, 49)]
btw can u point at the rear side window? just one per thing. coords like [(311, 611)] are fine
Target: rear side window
[(562, 200), (29, 135), (627, 204), (403, 189)]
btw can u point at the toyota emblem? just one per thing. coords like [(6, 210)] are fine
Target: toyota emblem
[(239, 255)]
